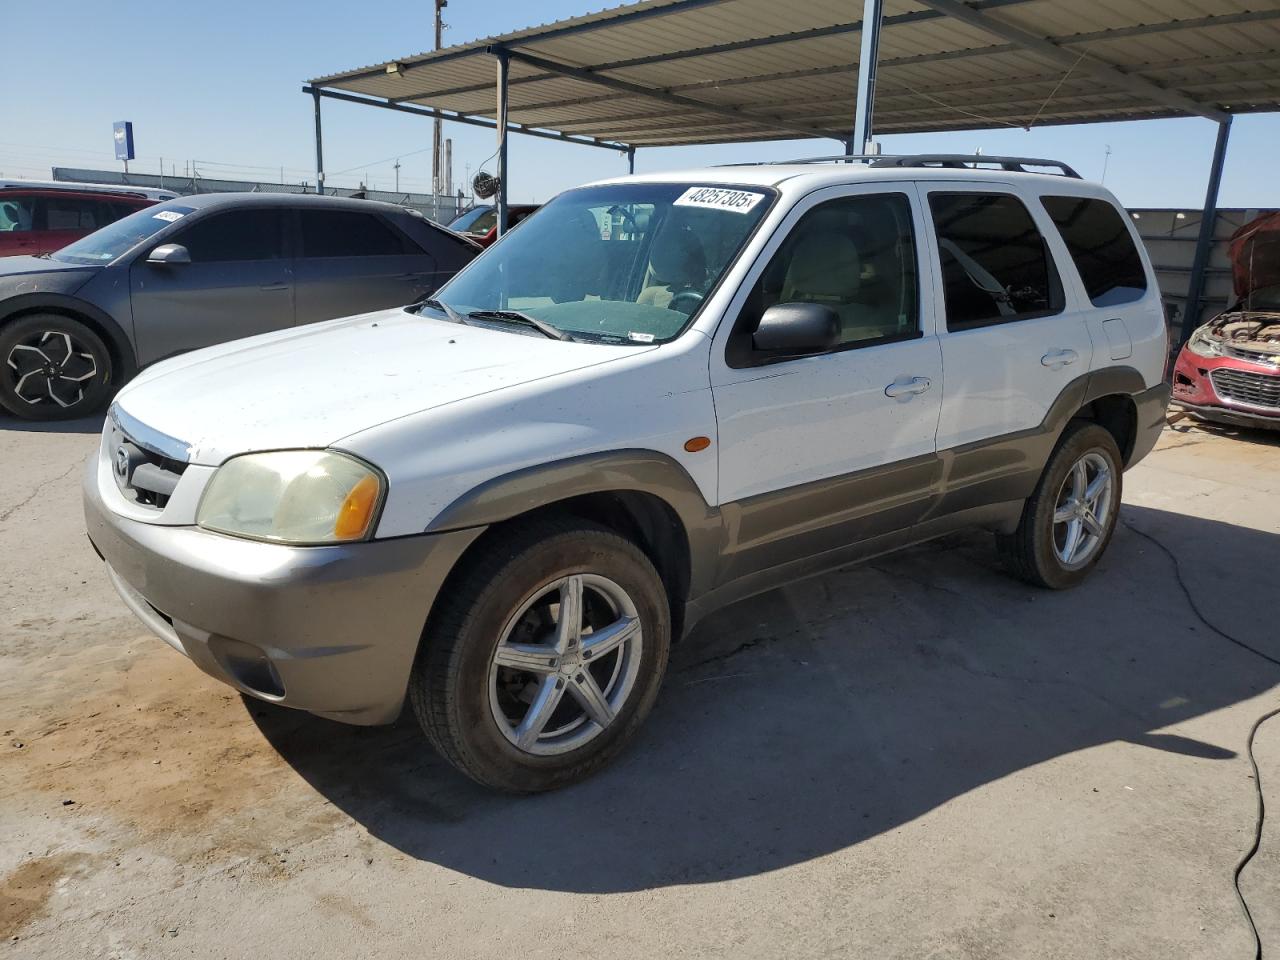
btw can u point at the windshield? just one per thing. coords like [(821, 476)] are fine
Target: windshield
[(627, 262), (476, 220), (117, 238)]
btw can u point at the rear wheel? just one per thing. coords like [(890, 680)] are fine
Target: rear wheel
[(543, 657), (1069, 520), (52, 368)]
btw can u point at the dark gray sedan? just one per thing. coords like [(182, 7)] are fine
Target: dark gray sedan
[(195, 271)]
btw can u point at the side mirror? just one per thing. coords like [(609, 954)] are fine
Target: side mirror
[(797, 328), (168, 254)]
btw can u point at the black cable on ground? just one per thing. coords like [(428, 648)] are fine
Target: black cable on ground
[(1261, 814), (1257, 831)]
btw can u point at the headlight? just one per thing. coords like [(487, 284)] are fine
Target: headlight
[(293, 496), (1202, 346)]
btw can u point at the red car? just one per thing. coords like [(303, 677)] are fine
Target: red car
[(39, 218), (481, 223), (1229, 371)]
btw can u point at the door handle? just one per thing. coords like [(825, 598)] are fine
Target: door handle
[(1057, 359), (904, 388)]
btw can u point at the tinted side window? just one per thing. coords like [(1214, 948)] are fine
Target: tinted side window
[(71, 213), (995, 264), (1102, 248), (16, 214), (856, 255), (340, 233), (236, 235)]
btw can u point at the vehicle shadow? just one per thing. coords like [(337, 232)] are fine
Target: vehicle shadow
[(810, 718), (85, 425)]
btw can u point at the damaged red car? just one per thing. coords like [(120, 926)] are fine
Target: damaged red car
[(1229, 370)]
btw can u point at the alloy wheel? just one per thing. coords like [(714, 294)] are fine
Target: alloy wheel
[(1082, 512), (565, 665), (50, 367)]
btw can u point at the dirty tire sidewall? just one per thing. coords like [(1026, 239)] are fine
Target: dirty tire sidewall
[(1029, 552), (96, 391), (450, 684)]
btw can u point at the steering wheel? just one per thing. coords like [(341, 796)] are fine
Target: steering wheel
[(686, 301)]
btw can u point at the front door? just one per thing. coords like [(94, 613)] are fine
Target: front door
[(239, 283), (820, 451)]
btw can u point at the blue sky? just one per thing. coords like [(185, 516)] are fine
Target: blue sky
[(219, 83)]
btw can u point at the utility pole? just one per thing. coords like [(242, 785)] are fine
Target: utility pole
[(397, 170), (436, 150), (1106, 159)]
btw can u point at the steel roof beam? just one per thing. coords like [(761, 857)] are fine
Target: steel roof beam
[(463, 118), (768, 121), (1070, 60)]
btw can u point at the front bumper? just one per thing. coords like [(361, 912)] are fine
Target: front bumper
[(1194, 391), (332, 630)]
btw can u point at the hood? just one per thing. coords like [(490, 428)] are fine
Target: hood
[(42, 275), (312, 386), (1255, 255)]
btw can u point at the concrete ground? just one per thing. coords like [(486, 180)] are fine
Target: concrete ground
[(917, 757)]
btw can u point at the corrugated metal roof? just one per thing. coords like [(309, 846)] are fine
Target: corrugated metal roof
[(665, 72)]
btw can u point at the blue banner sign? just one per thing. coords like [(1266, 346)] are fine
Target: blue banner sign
[(122, 130)]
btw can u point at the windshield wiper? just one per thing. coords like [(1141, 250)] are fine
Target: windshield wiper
[(444, 308), (517, 316)]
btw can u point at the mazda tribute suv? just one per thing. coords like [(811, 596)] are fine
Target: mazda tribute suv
[(660, 394)]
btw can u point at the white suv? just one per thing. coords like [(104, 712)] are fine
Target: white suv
[(659, 395)]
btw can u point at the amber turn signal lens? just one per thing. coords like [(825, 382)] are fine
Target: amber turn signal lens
[(694, 444), (357, 510)]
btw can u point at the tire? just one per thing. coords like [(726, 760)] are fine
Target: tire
[(1041, 551), (53, 368), (482, 713)]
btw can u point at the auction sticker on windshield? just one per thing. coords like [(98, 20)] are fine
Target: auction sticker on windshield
[(719, 198), (169, 215)]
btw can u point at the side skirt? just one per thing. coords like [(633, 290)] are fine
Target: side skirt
[(1000, 517)]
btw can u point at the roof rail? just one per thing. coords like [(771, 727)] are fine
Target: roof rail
[(953, 160), (963, 160)]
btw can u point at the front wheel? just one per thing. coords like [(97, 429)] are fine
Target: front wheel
[(52, 368), (1069, 520), (543, 656)]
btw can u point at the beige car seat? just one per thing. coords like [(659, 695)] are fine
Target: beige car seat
[(676, 263)]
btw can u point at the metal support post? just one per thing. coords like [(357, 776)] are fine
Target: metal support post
[(631, 159), (319, 146), (504, 69), (1204, 243), (872, 15)]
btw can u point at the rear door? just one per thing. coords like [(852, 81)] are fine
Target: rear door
[(237, 284), (1014, 337), (59, 220), (351, 261)]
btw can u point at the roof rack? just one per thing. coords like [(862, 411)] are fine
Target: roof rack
[(952, 160)]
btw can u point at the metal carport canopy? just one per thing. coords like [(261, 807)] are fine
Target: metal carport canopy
[(673, 72), (670, 72)]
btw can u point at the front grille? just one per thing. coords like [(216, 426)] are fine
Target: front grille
[(1244, 386), (143, 476)]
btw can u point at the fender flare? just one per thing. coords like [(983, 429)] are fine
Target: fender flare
[(643, 471), (65, 303)]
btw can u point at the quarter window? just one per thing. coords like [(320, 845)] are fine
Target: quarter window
[(1101, 247), (856, 255), (238, 235), (995, 264), (341, 233)]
